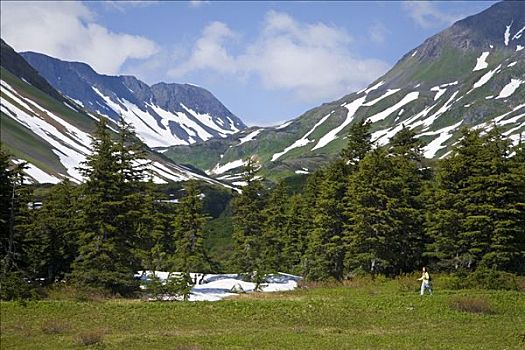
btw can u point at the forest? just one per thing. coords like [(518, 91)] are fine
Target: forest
[(376, 210)]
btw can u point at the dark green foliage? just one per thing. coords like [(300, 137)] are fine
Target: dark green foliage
[(477, 215), (189, 225), (248, 222), (56, 232), (324, 257), (111, 206)]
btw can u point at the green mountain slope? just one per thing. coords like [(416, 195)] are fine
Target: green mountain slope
[(52, 133), (471, 74)]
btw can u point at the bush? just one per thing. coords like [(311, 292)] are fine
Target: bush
[(408, 282), (55, 327), (492, 279), (175, 285), (65, 291), (468, 304), (14, 286), (94, 337)]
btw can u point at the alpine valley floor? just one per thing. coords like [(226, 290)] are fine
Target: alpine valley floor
[(361, 315)]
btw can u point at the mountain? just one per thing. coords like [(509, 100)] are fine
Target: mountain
[(162, 114), (51, 132), (469, 75)]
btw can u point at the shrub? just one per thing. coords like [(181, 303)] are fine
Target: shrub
[(93, 337), (65, 291), (14, 286), (492, 279), (470, 304), (175, 285), (55, 327), (408, 282)]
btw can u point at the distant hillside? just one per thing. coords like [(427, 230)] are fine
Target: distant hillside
[(162, 114), (471, 74)]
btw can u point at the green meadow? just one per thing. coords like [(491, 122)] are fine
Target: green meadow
[(364, 314)]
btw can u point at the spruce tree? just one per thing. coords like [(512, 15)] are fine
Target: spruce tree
[(324, 257), (106, 238), (274, 236), (56, 233), (248, 220), (189, 224)]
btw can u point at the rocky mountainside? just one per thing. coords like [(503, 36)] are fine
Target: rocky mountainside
[(52, 133), (163, 114), (469, 75)]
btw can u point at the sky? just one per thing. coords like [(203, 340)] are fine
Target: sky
[(266, 61)]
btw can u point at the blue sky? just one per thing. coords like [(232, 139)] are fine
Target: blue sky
[(268, 62)]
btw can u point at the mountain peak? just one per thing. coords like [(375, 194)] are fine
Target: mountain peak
[(163, 114)]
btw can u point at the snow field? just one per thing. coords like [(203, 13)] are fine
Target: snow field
[(217, 287)]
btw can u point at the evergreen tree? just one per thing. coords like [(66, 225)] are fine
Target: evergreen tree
[(478, 219), (248, 221), (359, 142), (324, 257), (190, 254), (295, 236), (274, 236), (109, 210), (384, 231), (55, 233)]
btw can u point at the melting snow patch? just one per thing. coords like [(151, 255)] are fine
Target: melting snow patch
[(414, 53), (282, 126), (482, 61), (303, 141), (249, 137), (506, 35), (37, 174), (433, 147), (352, 108), (388, 93), (439, 92), (483, 80), (518, 34), (220, 169), (374, 87), (519, 48), (489, 97), (510, 88), (412, 96), (217, 287), (513, 64)]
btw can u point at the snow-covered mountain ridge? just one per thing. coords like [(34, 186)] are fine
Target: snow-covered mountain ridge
[(470, 75), (162, 114), (51, 133)]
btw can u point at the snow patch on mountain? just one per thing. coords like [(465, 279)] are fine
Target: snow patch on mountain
[(510, 88), (482, 61), (249, 137), (519, 48), (220, 169), (485, 78), (435, 145), (411, 96), (352, 107), (518, 33), (37, 174), (385, 95), (506, 35), (439, 91), (282, 126), (303, 141)]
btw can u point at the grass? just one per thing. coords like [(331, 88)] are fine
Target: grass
[(357, 315)]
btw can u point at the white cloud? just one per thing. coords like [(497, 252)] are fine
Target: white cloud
[(198, 3), (377, 33), (427, 15), (67, 30), (313, 61), (122, 6)]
